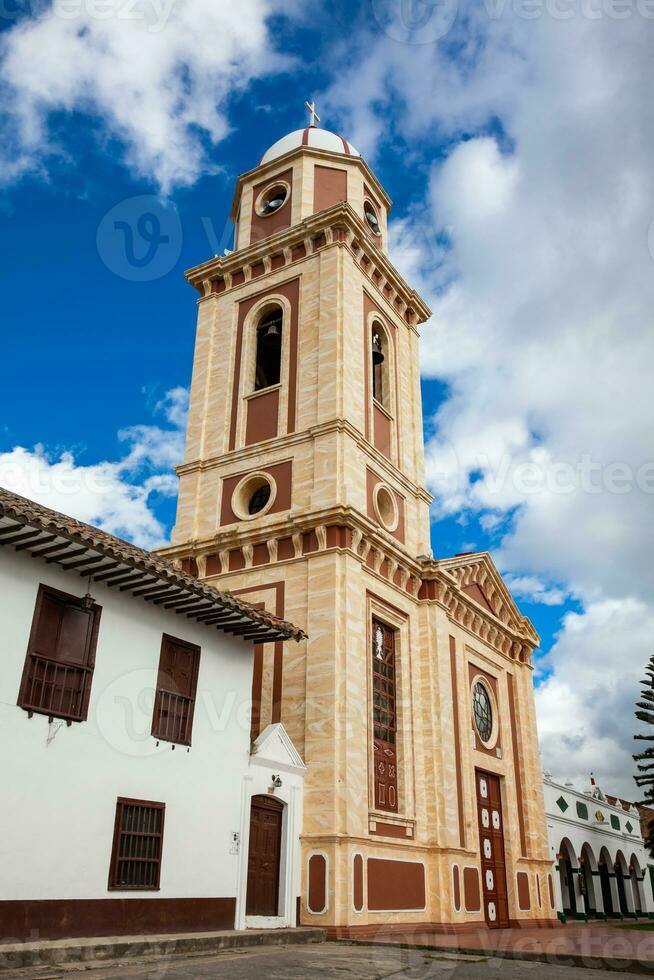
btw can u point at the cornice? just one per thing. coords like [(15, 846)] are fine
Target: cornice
[(338, 225), (241, 456), (381, 556)]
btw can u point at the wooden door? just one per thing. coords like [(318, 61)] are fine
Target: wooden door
[(491, 844), (264, 856)]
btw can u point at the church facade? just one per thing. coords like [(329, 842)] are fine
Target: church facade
[(303, 491)]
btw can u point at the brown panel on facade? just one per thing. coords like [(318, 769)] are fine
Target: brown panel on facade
[(337, 536), (457, 743), (456, 887), (317, 896), (471, 892), (291, 292), (260, 555), (261, 228), (382, 438), (329, 187), (516, 765), (285, 549), (262, 417), (279, 589), (395, 886), (282, 474), (309, 542), (371, 482), (236, 562), (524, 898), (474, 671), (238, 278), (550, 886), (258, 269), (277, 261), (392, 830), (72, 918), (298, 252), (218, 286), (357, 882), (476, 592)]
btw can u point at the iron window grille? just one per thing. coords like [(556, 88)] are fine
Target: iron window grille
[(137, 845)]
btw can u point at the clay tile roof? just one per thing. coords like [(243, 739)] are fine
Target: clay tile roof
[(95, 554)]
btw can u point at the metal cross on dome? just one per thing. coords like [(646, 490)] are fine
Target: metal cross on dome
[(313, 115)]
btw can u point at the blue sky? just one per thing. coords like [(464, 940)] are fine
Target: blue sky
[(517, 150)]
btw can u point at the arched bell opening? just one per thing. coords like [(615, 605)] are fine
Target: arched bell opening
[(268, 364)]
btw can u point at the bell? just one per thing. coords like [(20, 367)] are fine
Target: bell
[(377, 353), (273, 335)]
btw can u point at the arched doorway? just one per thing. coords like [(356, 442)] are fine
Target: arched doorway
[(621, 878), (605, 867), (567, 873), (264, 856), (587, 872), (636, 875)]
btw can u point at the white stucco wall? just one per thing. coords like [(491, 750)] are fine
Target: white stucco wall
[(60, 783)]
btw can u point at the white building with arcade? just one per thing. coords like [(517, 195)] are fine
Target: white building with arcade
[(602, 868)]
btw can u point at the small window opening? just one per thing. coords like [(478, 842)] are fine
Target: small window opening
[(269, 350), (259, 499)]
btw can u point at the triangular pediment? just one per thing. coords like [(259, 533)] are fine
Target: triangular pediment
[(476, 575), (274, 747)]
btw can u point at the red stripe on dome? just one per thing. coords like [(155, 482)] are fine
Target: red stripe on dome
[(305, 138), (346, 146)]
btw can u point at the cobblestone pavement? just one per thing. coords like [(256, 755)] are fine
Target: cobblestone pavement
[(320, 962)]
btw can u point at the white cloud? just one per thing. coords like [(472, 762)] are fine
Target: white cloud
[(586, 707), (115, 496), (533, 590), (531, 246), (158, 74)]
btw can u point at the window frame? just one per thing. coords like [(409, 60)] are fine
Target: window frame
[(156, 709), (88, 667), (113, 885)]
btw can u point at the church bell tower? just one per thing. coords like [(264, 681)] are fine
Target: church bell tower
[(302, 490)]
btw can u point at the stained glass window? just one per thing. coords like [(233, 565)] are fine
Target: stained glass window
[(482, 712)]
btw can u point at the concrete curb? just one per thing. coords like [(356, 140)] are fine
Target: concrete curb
[(611, 964), (98, 951)]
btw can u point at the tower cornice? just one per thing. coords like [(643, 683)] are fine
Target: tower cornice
[(338, 226)]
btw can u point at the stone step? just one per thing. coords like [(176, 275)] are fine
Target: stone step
[(96, 951)]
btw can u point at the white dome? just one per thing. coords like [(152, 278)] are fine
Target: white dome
[(318, 139)]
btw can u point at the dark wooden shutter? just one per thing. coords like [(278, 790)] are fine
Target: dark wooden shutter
[(177, 682), (384, 717), (60, 656), (137, 845)]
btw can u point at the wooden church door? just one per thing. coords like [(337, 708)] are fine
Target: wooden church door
[(491, 843), (264, 856)]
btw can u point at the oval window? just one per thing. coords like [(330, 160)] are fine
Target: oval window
[(259, 499), (371, 218), (482, 712), (271, 200), (386, 507)]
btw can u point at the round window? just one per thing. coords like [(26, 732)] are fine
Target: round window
[(272, 199), (386, 507), (253, 496), (371, 218), (482, 712)]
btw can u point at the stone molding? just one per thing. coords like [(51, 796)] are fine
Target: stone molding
[(430, 582), (338, 226)]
